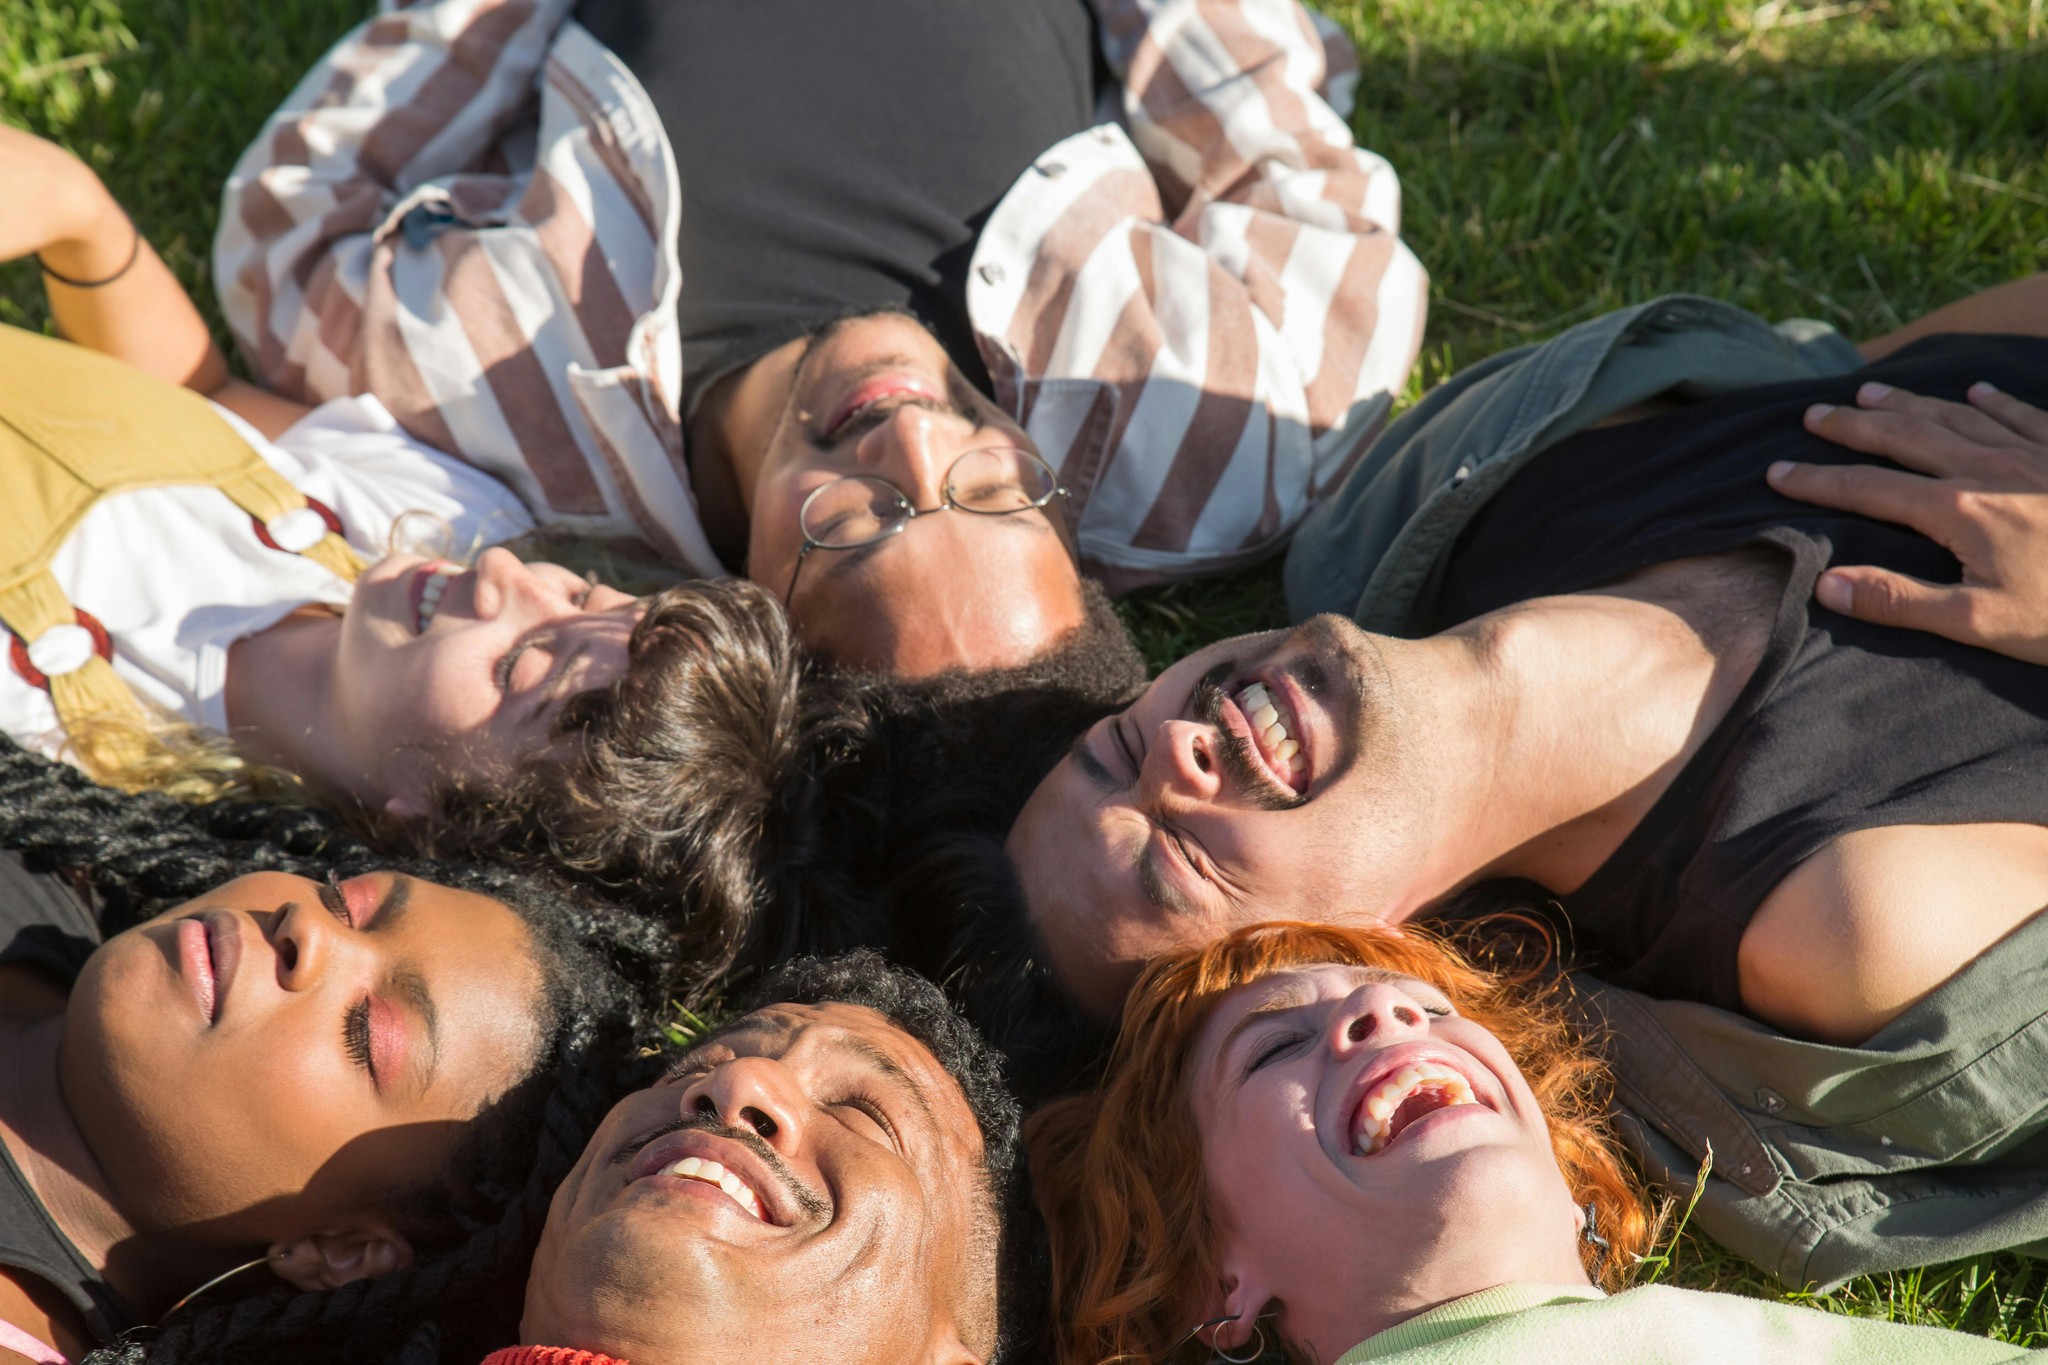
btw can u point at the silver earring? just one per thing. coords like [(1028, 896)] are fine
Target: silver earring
[(1217, 1353), (224, 1275), (1591, 1232)]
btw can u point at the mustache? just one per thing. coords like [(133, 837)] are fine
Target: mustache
[(1234, 751), (813, 1204)]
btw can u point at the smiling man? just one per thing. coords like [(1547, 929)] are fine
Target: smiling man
[(1129, 248), (826, 1178)]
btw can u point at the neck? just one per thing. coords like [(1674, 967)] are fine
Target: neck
[(280, 696), (1555, 725), (148, 1270)]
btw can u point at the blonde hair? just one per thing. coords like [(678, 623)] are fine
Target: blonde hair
[(1119, 1170)]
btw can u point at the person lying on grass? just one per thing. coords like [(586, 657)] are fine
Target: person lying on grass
[(828, 1177), (356, 1082), (1355, 1144), (165, 635)]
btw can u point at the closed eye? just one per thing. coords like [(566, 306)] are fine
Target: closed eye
[(355, 1036), (1274, 1048), (868, 1105), (335, 901)]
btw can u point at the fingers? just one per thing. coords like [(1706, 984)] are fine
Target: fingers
[(2023, 419), (1886, 494), (1919, 435), (1884, 598), (1964, 419)]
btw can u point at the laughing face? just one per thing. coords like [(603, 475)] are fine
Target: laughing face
[(443, 671), (801, 1187), (280, 1054), (877, 395), (1256, 779), (1369, 1154)]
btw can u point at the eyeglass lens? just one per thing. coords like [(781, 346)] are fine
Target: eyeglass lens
[(858, 509)]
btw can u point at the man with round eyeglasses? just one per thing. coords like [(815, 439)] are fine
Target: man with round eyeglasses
[(912, 232)]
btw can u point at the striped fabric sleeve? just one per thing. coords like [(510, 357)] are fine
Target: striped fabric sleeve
[(1265, 309), (444, 215)]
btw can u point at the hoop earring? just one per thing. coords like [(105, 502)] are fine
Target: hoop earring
[(224, 1276), (1217, 1353)]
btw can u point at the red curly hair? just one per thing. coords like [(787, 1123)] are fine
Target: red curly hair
[(1119, 1171)]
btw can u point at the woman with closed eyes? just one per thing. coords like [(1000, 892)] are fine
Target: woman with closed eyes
[(201, 581), (1353, 1145), (357, 1082)]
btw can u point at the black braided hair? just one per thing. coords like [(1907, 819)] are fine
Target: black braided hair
[(603, 972)]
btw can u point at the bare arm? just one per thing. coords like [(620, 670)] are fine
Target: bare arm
[(2018, 307), (1975, 481), (59, 211)]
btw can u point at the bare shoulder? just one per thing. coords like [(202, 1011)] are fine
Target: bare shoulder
[(1871, 924)]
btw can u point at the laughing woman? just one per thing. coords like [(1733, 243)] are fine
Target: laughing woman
[(1357, 1146), (194, 581), (356, 1083)]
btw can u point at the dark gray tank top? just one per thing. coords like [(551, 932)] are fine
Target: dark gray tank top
[(1843, 726), (48, 924)]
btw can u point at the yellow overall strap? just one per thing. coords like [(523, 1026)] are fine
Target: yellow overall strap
[(76, 425)]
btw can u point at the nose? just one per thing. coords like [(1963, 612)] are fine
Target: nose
[(755, 1093), (303, 937), (1376, 1015), (913, 448), (504, 583), (1182, 763)]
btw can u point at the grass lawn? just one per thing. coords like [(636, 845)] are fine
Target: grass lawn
[(1859, 162)]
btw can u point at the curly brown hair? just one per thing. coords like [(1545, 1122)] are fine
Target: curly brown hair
[(683, 787), (1119, 1173)]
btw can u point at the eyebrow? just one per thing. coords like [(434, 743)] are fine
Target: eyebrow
[(409, 983), (1092, 768), (397, 899), (887, 1065)]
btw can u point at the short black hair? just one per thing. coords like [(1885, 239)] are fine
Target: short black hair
[(911, 1003)]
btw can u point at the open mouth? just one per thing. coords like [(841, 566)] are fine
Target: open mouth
[(712, 1173), (427, 588), (877, 391), (1276, 732), (1412, 1093)]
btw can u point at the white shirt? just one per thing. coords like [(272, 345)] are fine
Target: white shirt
[(177, 575)]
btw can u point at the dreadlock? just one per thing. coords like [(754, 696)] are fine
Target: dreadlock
[(602, 972)]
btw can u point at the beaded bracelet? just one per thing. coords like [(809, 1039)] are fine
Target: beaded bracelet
[(134, 254)]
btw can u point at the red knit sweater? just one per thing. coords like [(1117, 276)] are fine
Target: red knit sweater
[(547, 1355)]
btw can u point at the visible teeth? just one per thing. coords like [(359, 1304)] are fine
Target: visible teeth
[(1285, 750), (1375, 1131), (430, 597), (1266, 717), (711, 1173)]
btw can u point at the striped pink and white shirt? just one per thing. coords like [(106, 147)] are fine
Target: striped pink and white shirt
[(1199, 309)]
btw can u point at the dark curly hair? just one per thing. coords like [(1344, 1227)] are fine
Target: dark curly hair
[(1010, 1242), (602, 971), (684, 788)]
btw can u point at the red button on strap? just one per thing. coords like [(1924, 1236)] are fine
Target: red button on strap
[(326, 515), (17, 649)]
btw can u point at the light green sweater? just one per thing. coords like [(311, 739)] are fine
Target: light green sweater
[(1539, 1324)]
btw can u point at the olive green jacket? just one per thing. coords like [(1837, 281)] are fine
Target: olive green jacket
[(1536, 1324), (1927, 1142)]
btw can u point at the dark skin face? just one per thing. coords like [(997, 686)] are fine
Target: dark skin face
[(877, 395), (836, 1225), (273, 1060)]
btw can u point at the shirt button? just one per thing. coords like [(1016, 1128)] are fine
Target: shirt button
[(1769, 1100), (991, 273), (1464, 472), (1052, 170)]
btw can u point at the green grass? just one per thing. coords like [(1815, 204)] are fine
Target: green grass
[(1860, 163)]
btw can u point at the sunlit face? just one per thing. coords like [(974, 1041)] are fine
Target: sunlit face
[(1196, 810), (831, 1222), (1368, 1153), (877, 395), (447, 672), (279, 1051)]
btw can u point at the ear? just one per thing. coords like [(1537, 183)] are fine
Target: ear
[(359, 1249), (1241, 1295), (407, 808)]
